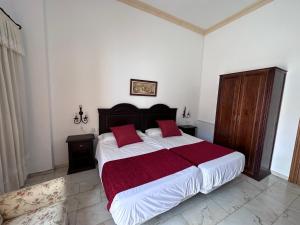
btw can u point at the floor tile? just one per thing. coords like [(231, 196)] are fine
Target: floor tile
[(71, 204), (282, 193), (239, 179), (266, 208), (88, 198), (108, 222), (285, 185), (93, 215), (242, 217), (177, 220), (260, 185), (249, 202), (103, 196), (60, 172), (231, 197), (89, 176), (270, 180), (87, 186), (71, 189), (289, 217), (72, 218), (204, 212), (295, 205)]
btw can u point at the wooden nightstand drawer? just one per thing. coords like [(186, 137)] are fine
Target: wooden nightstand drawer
[(80, 147), (81, 152)]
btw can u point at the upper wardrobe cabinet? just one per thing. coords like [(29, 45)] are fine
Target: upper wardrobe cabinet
[(247, 115)]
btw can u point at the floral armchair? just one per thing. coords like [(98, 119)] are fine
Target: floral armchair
[(39, 204)]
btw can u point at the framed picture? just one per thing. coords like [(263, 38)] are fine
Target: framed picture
[(143, 87)]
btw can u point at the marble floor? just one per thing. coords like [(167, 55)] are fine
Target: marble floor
[(243, 201)]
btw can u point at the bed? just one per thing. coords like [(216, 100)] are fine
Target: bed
[(140, 203), (214, 173)]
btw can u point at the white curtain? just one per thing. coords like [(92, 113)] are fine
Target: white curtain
[(12, 161)]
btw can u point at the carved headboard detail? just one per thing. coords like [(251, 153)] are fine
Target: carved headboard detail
[(125, 113), (157, 112)]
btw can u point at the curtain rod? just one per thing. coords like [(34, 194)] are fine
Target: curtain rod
[(18, 25)]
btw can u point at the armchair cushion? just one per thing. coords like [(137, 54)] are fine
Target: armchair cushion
[(32, 198), (52, 215)]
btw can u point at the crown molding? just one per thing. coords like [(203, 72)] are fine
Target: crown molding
[(180, 22), (256, 5), (166, 16)]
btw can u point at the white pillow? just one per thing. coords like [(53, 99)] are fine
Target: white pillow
[(110, 137), (140, 133), (106, 137), (153, 132)]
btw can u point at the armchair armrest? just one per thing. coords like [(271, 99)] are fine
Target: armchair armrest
[(32, 198)]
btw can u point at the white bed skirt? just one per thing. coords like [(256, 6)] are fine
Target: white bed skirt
[(219, 171), (139, 204)]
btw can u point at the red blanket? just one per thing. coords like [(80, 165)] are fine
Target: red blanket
[(201, 152), (123, 174)]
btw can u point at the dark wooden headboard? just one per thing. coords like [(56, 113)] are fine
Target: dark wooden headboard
[(157, 112), (125, 113)]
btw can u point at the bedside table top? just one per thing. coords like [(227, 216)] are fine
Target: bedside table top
[(186, 126), (82, 137)]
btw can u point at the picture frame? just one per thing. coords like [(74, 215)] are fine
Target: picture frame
[(143, 88)]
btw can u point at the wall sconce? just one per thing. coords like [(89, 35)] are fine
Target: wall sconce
[(186, 114), (84, 119)]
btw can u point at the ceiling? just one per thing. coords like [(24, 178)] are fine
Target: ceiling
[(200, 16), (202, 13)]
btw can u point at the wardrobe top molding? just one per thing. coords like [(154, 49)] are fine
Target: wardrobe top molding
[(138, 4), (239, 73)]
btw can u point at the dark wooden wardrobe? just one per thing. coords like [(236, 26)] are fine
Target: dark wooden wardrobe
[(247, 116)]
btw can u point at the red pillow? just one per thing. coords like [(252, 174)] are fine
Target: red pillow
[(168, 128), (125, 135)]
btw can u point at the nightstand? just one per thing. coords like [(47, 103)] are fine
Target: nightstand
[(188, 129), (81, 152)]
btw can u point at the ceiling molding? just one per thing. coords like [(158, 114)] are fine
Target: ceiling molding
[(256, 5), (166, 16), (180, 22)]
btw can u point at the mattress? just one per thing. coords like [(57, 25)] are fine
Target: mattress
[(139, 204), (214, 173)]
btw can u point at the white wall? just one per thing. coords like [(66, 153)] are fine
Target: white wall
[(7, 6), (94, 50), (30, 14), (267, 37)]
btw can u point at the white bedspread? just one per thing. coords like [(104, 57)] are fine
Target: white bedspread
[(109, 151), (214, 173), (139, 204)]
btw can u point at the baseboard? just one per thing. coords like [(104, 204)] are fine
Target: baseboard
[(47, 171), (279, 175), (40, 173), (61, 166)]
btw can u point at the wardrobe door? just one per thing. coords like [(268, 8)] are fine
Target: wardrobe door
[(225, 126), (250, 126)]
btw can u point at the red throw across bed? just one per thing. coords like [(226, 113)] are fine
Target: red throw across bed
[(123, 174), (201, 152)]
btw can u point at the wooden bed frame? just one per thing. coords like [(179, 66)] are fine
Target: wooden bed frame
[(125, 113)]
